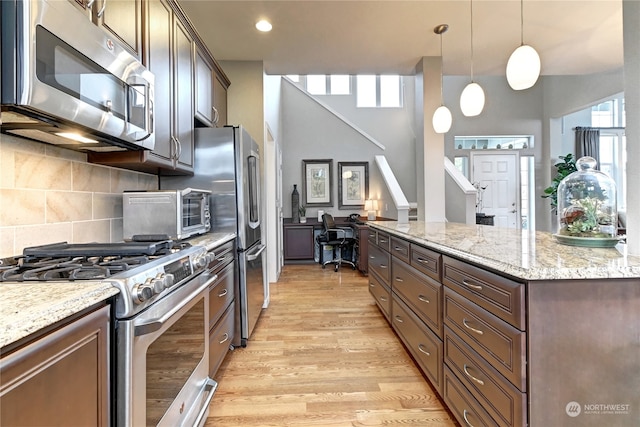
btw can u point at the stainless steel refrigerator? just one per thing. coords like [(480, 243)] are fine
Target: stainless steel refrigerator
[(227, 162)]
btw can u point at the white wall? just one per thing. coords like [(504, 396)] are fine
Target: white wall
[(310, 131)]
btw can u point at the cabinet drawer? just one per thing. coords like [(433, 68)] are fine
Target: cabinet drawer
[(380, 263), (372, 237), (464, 406), (504, 402), (383, 241), (381, 294), (221, 293), (224, 254), (424, 345), (420, 292), (502, 345), (499, 295), (426, 261), (400, 248), (220, 339)]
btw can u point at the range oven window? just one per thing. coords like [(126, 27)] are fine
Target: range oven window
[(171, 359), (61, 66)]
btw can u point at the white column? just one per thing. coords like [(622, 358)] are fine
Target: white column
[(429, 145), (631, 31)]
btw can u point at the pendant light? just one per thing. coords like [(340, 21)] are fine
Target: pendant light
[(523, 68), (442, 116), (472, 97)]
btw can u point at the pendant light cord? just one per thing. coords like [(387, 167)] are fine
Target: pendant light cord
[(521, 22), (471, 3), (441, 72)]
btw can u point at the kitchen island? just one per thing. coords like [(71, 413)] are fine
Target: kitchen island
[(511, 327)]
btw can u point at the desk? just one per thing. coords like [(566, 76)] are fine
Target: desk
[(300, 245)]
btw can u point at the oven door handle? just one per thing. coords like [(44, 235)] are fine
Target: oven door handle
[(210, 388), (156, 323), (255, 255)]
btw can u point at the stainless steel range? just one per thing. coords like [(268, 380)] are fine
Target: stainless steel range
[(161, 327)]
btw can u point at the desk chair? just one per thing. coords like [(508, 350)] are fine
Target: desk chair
[(336, 237)]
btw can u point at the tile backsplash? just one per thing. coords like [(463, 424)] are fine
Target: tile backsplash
[(49, 194)]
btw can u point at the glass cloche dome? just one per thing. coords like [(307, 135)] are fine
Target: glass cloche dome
[(587, 211)]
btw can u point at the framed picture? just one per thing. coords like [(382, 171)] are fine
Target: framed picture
[(353, 189), (317, 182)]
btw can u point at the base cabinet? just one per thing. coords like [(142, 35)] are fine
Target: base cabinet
[(60, 379), (222, 305)]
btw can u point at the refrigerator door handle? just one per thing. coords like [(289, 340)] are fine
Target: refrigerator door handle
[(257, 253)]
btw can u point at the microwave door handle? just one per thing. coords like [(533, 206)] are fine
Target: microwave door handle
[(148, 107), (257, 253), (156, 323)]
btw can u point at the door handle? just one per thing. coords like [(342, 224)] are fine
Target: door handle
[(255, 255)]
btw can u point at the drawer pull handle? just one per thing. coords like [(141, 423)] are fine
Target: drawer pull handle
[(399, 249), (464, 415), (421, 348), (226, 337), (399, 319), (223, 293), (477, 331), (372, 257), (383, 266), (371, 285), (471, 285), (423, 261), (383, 241), (399, 279), (424, 299), (383, 299), (479, 381)]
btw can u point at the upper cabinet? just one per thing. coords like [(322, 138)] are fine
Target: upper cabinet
[(211, 90), (188, 92), (120, 18)]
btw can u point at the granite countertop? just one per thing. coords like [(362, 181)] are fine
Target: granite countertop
[(27, 307), (526, 255)]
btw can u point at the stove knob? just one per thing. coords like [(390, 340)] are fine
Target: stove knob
[(142, 292), (169, 280), (158, 283), (201, 261)]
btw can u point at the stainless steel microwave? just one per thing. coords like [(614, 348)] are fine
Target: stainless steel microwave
[(177, 214), (66, 81)]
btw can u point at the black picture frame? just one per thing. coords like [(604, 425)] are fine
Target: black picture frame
[(353, 187), (317, 177)]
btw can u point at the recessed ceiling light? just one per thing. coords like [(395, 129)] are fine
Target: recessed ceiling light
[(264, 25)]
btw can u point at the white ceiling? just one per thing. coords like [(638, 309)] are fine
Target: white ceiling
[(357, 36)]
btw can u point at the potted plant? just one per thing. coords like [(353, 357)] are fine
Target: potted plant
[(303, 214), (564, 168)]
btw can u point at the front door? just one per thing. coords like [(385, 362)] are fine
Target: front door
[(499, 175)]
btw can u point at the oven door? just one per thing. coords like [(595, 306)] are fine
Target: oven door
[(163, 356)]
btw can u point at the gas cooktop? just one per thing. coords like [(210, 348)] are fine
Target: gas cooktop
[(83, 261)]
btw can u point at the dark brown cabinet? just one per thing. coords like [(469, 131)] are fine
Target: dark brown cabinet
[(121, 19), (299, 243), (222, 304), (61, 378), (169, 50)]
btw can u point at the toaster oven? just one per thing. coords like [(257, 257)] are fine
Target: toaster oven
[(177, 214)]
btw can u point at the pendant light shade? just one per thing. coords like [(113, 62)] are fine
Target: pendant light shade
[(523, 68), (442, 119), (472, 97), (442, 116), (472, 100)]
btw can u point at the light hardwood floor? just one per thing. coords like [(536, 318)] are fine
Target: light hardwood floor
[(322, 354)]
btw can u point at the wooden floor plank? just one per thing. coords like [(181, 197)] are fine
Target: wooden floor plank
[(322, 355)]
